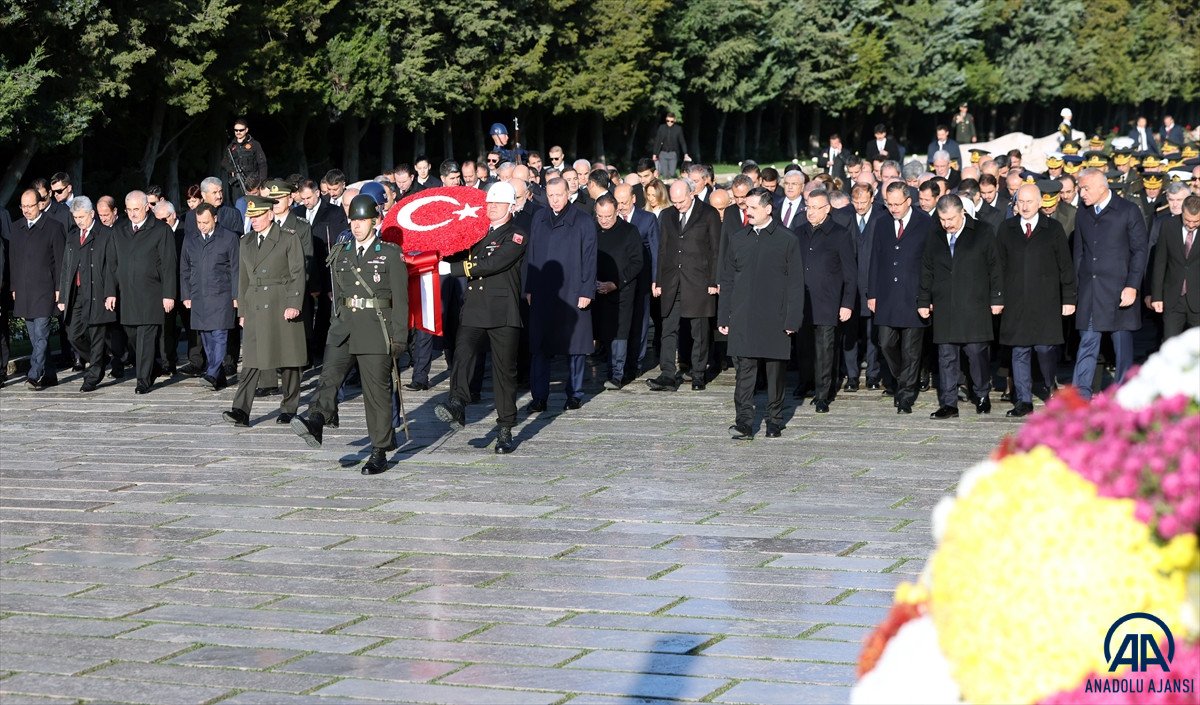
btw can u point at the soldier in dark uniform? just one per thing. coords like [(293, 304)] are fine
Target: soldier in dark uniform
[(369, 326), (87, 288), (499, 134), (270, 289), (243, 159), (491, 314)]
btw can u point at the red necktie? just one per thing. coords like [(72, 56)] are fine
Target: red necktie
[(1187, 250), (787, 216), (1028, 231), (745, 220), (900, 231), (82, 237)]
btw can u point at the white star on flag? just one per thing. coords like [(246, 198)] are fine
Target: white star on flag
[(467, 211)]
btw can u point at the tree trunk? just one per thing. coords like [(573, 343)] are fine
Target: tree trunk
[(171, 187), (75, 167), (477, 122), (719, 147), (991, 134), (598, 137), (537, 136), (693, 125), (350, 147), (793, 140), (153, 138), (739, 137), (17, 165), (387, 146), (757, 151), (572, 151), (630, 139), (298, 151), (814, 130), (418, 144), (447, 138)]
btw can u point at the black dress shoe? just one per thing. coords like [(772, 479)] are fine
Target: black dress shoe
[(613, 384), (1005, 396), (945, 412), (89, 387), (889, 392), (34, 384), (141, 388), (925, 384), (687, 375), (572, 404), (983, 406), (741, 432), (663, 383), (377, 463), (78, 366), (266, 391), (451, 413), (1021, 409), (118, 372), (189, 370), (904, 408), (310, 429), (698, 386), (284, 418), (332, 421), (799, 393), (851, 386), (417, 386), (536, 406), (774, 431), (237, 417), (822, 407), (874, 386), (504, 441)]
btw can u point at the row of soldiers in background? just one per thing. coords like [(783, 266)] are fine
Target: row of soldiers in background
[(682, 246)]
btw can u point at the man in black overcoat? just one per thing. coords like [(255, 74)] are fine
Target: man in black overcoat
[(1039, 289), (960, 291), (1175, 278), (87, 289), (147, 273), (618, 265), (35, 262), (761, 306)]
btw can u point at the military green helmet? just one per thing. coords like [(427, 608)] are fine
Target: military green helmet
[(363, 207)]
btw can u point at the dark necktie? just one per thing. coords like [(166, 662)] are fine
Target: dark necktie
[(1028, 231), (900, 230), (787, 215), (1187, 250), (862, 224)]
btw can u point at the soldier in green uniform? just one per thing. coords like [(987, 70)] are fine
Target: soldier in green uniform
[(294, 226), (964, 127), (369, 326), (270, 289)]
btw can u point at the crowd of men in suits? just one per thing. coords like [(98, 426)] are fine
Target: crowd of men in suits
[(897, 275)]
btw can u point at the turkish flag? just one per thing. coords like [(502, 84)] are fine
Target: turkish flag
[(428, 225), (444, 220)]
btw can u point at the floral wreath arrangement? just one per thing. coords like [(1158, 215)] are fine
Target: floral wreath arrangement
[(1089, 512)]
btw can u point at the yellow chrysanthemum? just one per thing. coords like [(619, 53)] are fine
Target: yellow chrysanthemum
[(1031, 572)]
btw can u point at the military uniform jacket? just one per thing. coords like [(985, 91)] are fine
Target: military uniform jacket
[(962, 288), (1065, 214), (147, 271), (762, 291), (270, 280), (249, 156), (300, 229), (1039, 278), (1110, 254), (895, 277), (687, 259), (383, 269), (95, 262), (493, 271), (35, 260)]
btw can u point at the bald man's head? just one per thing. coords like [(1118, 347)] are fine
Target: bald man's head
[(1029, 200), (719, 199)]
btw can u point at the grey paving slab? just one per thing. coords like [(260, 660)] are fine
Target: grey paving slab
[(626, 553)]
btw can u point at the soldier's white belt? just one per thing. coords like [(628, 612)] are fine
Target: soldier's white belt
[(360, 302)]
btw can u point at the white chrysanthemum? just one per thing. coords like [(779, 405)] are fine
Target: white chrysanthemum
[(941, 513), (974, 474), (1174, 369), (911, 669)]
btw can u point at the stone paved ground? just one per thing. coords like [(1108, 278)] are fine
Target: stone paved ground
[(627, 552)]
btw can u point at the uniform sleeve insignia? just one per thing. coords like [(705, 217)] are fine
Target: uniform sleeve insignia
[(518, 238)]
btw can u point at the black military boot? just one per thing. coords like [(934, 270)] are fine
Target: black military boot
[(504, 441), (310, 429)]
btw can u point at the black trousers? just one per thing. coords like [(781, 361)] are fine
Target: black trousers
[(977, 355), (145, 342), (816, 359), (168, 335), (375, 372), (701, 340), (901, 348), (469, 349), (89, 343), (745, 376), (118, 344), (1177, 318), (251, 377)]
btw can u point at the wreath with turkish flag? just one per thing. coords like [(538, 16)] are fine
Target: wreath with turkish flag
[(427, 226)]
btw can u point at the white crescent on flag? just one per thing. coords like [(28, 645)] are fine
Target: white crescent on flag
[(405, 214)]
